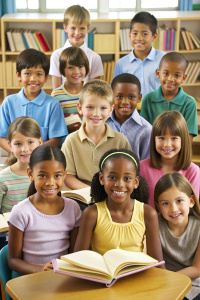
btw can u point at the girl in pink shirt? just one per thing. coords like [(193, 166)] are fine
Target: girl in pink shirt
[(45, 225), (170, 151)]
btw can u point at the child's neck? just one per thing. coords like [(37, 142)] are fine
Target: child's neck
[(19, 169), (47, 207), (141, 55), (122, 119), (121, 213), (170, 95), (73, 88), (30, 96), (178, 230), (168, 165), (95, 134)]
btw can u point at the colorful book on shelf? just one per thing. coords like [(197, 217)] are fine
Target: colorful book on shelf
[(91, 40), (43, 41), (28, 40), (24, 40), (37, 41), (82, 195), (3, 222), (106, 269), (10, 40)]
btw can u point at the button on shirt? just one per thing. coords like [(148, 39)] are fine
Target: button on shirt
[(154, 104), (144, 70), (137, 130), (46, 110)]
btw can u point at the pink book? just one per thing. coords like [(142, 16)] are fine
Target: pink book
[(171, 39), (165, 40), (106, 269)]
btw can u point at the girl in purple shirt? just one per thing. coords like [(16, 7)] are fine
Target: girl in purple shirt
[(45, 225)]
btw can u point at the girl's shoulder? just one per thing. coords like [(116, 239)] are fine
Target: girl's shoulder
[(149, 213), (5, 171)]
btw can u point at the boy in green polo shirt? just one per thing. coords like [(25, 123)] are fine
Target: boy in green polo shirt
[(84, 147), (170, 96)]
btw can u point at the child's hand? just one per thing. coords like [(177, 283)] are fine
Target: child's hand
[(73, 127), (48, 266)]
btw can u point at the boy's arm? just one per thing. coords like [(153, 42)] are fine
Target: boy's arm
[(4, 144), (56, 81), (73, 183), (54, 141)]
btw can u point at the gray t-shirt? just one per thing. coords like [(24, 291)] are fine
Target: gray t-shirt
[(179, 252)]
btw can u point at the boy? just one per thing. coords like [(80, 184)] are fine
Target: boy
[(84, 147), (125, 117), (144, 59), (32, 70), (76, 25), (169, 95)]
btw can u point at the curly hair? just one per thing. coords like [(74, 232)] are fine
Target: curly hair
[(98, 192)]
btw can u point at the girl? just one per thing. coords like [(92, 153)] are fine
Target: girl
[(74, 65), (170, 151), (118, 220), (23, 137), (179, 222), (43, 226)]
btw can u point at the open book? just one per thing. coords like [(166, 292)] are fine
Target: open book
[(72, 119), (3, 222), (114, 264), (82, 195)]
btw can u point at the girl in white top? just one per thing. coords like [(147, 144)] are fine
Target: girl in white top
[(43, 226), (179, 223)]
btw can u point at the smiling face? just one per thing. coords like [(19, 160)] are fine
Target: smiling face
[(95, 110), (74, 74), (22, 146), (32, 80), (171, 76), (48, 177), (168, 146), (119, 179), (126, 97), (141, 38), (76, 33), (174, 205)]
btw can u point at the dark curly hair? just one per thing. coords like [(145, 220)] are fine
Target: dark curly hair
[(98, 192)]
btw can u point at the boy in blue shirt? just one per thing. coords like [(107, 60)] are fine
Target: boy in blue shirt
[(125, 117), (31, 101), (76, 25), (144, 59), (169, 95)]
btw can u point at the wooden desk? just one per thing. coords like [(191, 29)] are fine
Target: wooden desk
[(152, 284)]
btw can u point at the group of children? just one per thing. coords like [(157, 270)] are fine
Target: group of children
[(122, 155)]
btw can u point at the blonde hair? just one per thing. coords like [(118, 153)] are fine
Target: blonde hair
[(177, 126), (73, 56), (26, 126), (97, 87), (77, 14), (182, 184)]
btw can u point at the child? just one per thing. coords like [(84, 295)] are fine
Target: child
[(170, 96), (125, 117), (118, 220), (84, 148), (74, 65), (32, 70), (170, 151), (43, 226), (76, 25), (23, 137), (179, 223), (144, 59)]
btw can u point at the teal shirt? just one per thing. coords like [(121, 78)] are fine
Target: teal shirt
[(154, 104)]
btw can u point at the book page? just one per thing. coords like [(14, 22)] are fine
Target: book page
[(81, 194), (87, 259), (7, 215), (3, 224), (117, 259)]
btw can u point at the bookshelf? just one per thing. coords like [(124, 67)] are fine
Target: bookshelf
[(108, 27)]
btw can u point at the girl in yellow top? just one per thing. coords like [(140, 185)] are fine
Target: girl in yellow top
[(118, 220)]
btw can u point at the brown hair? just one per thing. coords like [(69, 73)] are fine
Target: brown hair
[(26, 126), (77, 14), (97, 87), (73, 56), (177, 126), (182, 184)]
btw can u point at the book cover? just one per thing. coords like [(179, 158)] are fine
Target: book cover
[(82, 195), (37, 41), (189, 72), (194, 39), (194, 72), (171, 36), (190, 43), (91, 40), (10, 41), (161, 37), (18, 41), (3, 222), (43, 41), (24, 40), (197, 74), (185, 39), (165, 40), (58, 38), (28, 40), (121, 40), (106, 269)]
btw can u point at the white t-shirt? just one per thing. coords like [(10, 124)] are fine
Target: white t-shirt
[(95, 62)]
